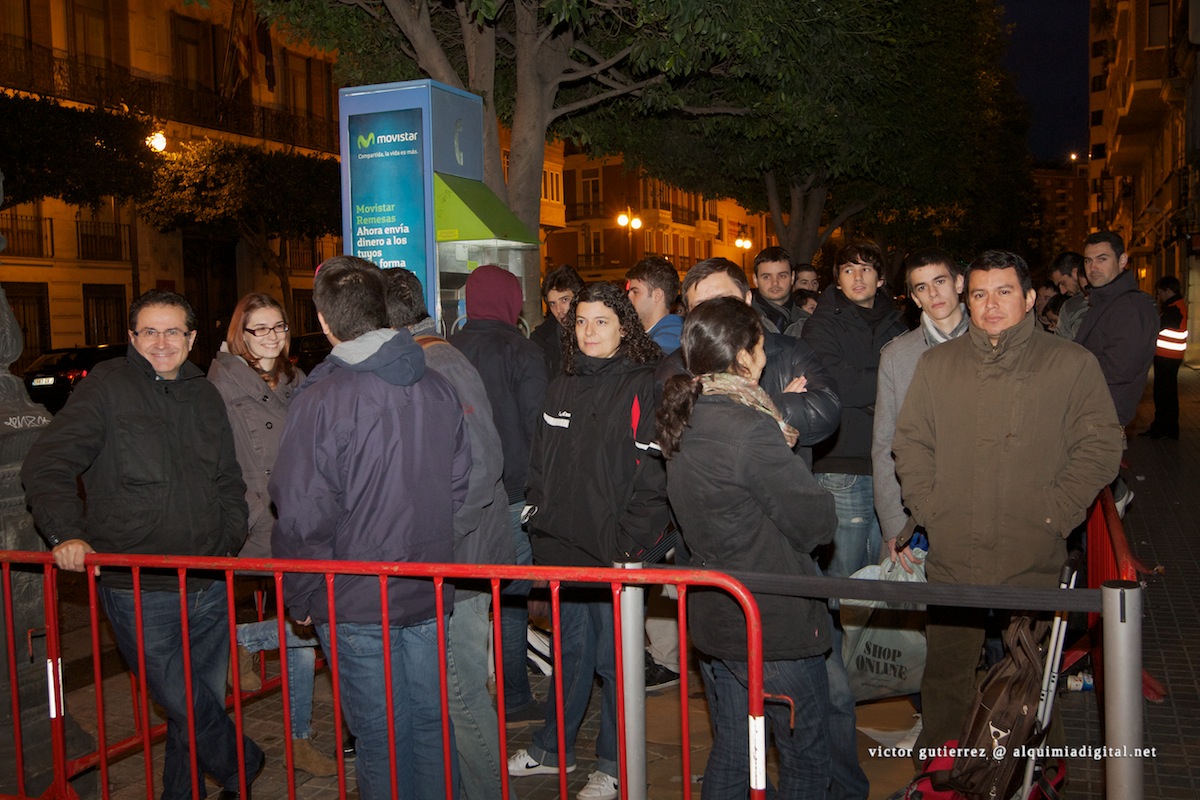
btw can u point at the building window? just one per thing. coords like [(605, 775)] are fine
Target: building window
[(1098, 117), (30, 304), (193, 52), (1099, 82), (1099, 48), (88, 31), (1099, 151), (304, 313), (28, 233), (105, 313), (1158, 23), (589, 196), (14, 20)]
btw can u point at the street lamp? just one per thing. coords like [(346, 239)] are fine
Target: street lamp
[(630, 222), (743, 243)]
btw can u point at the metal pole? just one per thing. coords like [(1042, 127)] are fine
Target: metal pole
[(633, 666), (1121, 604)]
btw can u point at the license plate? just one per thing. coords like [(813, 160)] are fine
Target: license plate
[(43, 381)]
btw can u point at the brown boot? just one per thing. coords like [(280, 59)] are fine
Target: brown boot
[(311, 760), (251, 682)]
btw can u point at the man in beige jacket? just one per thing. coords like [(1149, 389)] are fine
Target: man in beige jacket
[(1005, 437)]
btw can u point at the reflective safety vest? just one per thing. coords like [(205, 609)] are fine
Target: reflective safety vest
[(1172, 342)]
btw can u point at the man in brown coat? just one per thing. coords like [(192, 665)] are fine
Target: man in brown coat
[(1005, 437)]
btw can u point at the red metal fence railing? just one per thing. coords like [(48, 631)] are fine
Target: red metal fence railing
[(109, 748), (1109, 558)]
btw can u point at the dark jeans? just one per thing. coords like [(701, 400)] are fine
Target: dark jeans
[(208, 634), (804, 768), (586, 616), (1166, 396), (416, 707), (514, 620)]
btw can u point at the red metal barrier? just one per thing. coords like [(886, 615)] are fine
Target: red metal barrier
[(145, 735), (1109, 558)]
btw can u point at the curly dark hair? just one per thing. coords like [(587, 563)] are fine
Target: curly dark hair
[(635, 344), (715, 332)]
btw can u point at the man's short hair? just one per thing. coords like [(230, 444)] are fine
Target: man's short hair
[(1168, 283), (561, 279), (1002, 259), (771, 254), (405, 298), (1067, 263), (161, 297), (864, 252), (657, 273), (709, 267), (928, 257), (350, 294), (1110, 238)]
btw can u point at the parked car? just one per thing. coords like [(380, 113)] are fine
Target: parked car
[(51, 379), (308, 350)]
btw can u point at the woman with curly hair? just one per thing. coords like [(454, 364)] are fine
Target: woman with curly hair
[(746, 502), (596, 494)]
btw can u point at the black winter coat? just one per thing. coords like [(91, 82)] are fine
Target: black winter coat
[(595, 475), (848, 340), (158, 465), (513, 370), (814, 413), (746, 502)]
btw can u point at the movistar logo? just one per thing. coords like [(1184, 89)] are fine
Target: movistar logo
[(385, 138)]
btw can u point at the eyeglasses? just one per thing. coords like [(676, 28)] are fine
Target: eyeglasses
[(263, 330), (171, 334)]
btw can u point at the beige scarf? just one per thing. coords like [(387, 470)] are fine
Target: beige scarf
[(749, 394)]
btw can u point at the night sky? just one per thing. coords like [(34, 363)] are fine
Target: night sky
[(1048, 55)]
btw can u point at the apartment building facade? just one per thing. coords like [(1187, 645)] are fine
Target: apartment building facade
[(1145, 137)]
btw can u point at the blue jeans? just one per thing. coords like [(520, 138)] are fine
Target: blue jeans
[(858, 539), (415, 707), (586, 616), (847, 781), (856, 543), (475, 723), (514, 619), (208, 634), (803, 749), (301, 661)]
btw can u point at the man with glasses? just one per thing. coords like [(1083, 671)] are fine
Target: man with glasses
[(150, 439)]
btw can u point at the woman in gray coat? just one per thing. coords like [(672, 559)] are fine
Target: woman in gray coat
[(257, 382)]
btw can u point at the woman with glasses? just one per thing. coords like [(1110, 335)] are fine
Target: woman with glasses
[(746, 502), (257, 381)]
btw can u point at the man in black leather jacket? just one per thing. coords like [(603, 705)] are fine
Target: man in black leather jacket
[(794, 377)]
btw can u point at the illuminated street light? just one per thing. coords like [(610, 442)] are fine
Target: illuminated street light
[(157, 141), (630, 222), (743, 243)]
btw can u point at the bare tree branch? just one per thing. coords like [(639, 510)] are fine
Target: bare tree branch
[(588, 102), (578, 75)]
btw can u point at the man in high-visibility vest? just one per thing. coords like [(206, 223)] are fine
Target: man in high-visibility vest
[(1169, 348)]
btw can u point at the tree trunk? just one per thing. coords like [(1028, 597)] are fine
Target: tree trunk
[(538, 64)]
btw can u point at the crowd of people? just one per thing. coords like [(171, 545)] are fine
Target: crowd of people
[(768, 428)]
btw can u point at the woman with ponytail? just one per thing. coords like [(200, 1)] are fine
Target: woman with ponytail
[(746, 502)]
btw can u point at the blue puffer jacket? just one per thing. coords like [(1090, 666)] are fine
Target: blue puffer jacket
[(373, 464)]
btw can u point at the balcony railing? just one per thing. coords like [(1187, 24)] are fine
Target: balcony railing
[(43, 71), (102, 241), (28, 236), (585, 210)]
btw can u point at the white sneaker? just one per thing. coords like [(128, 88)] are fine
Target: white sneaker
[(1124, 501), (522, 764), (600, 786)]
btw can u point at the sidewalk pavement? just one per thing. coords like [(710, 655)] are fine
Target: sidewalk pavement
[(1161, 526)]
